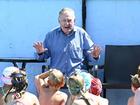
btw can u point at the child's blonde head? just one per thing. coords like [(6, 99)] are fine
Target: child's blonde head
[(56, 78)]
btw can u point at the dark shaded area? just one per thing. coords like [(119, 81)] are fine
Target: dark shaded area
[(120, 62)]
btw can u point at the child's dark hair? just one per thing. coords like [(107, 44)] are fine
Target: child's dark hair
[(19, 84), (135, 79), (138, 72)]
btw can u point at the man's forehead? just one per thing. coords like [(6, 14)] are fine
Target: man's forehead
[(67, 14)]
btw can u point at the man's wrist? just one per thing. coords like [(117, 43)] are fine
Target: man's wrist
[(40, 53), (96, 58)]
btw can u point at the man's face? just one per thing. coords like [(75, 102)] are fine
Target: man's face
[(67, 21)]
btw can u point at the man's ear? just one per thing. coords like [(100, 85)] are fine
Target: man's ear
[(74, 20), (58, 20)]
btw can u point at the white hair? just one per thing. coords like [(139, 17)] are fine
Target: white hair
[(64, 10)]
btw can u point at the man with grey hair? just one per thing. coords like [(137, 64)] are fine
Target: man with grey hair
[(67, 45)]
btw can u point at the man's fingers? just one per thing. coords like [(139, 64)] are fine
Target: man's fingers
[(38, 44)]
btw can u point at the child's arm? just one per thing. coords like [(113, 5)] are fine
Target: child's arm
[(39, 80)]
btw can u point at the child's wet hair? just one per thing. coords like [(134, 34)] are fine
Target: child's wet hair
[(56, 78), (135, 79)]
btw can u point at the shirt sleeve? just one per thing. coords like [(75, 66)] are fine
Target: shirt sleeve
[(46, 54), (43, 56), (88, 43)]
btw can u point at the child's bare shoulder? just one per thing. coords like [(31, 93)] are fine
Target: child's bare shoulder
[(61, 97), (60, 93)]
